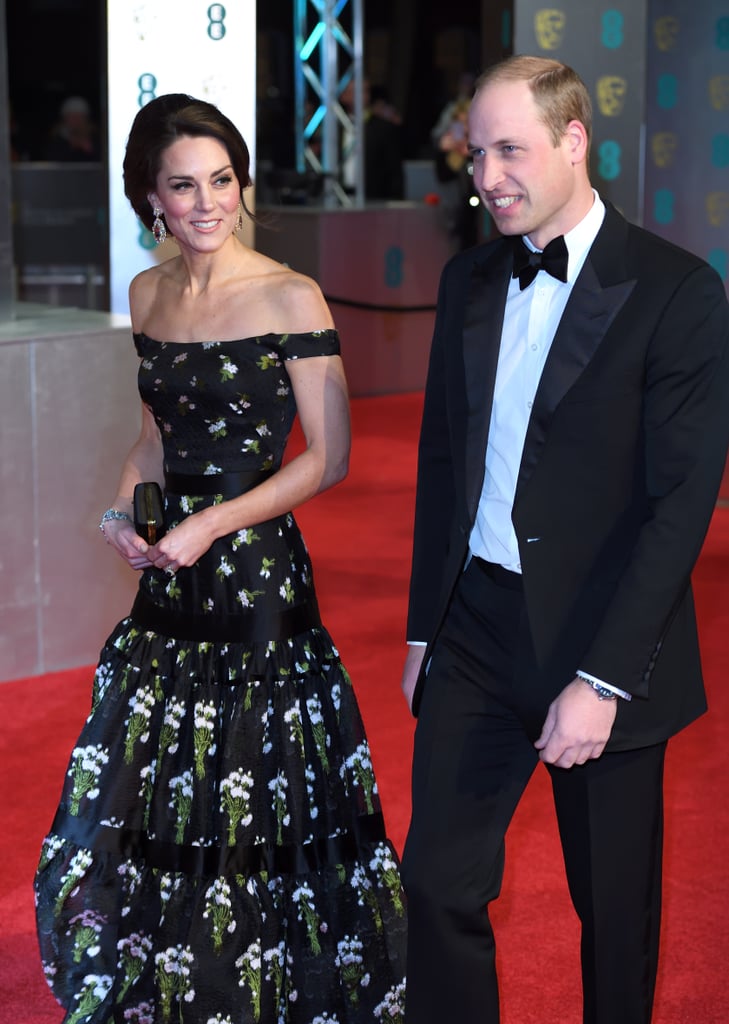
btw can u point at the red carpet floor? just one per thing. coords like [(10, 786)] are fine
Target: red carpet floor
[(359, 536)]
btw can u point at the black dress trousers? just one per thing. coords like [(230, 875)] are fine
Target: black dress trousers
[(483, 706)]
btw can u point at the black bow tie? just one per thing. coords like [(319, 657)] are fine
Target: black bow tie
[(527, 263)]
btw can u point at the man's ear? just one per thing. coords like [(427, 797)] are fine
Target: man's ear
[(576, 136)]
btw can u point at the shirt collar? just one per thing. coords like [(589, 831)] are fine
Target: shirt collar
[(581, 237)]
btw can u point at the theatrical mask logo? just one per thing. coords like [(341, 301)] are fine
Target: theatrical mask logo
[(666, 33), (549, 27), (663, 148), (717, 208), (146, 20), (611, 90), (719, 92)]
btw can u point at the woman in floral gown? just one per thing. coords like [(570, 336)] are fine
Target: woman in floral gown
[(218, 855)]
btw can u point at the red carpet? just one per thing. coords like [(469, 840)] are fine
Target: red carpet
[(359, 536)]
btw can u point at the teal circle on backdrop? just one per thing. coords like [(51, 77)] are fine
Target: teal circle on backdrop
[(145, 238), (719, 259), (722, 33), (216, 22), (720, 150), (663, 206), (667, 91), (612, 24), (506, 29), (394, 259), (147, 83), (609, 164)]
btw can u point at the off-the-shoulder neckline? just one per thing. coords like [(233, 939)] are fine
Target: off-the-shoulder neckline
[(234, 341)]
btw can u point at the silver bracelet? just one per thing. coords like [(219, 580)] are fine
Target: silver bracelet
[(112, 513)]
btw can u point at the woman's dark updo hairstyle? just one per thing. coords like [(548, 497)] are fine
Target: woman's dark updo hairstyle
[(163, 121)]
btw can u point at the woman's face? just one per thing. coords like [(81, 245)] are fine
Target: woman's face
[(198, 192)]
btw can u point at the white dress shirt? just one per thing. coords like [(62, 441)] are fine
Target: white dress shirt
[(531, 319)]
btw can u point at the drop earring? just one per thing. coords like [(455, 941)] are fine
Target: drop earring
[(158, 226), (239, 219)]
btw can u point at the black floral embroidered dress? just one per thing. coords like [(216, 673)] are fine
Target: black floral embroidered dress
[(218, 855)]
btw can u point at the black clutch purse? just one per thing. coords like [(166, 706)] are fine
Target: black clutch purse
[(149, 512)]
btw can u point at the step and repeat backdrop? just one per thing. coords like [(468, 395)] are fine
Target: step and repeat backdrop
[(158, 46), (658, 72), (687, 114)]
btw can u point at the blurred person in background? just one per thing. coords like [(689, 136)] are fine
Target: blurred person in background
[(449, 138), (74, 137)]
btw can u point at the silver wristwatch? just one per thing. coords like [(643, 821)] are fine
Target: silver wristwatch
[(602, 691)]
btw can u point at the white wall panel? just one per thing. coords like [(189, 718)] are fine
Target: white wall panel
[(159, 46)]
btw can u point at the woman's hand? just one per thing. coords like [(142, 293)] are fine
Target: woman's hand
[(144, 462), (182, 546), (185, 543), (122, 536)]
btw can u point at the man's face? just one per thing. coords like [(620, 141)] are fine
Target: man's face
[(527, 184)]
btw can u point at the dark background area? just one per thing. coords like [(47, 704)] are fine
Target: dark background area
[(56, 49), (414, 48)]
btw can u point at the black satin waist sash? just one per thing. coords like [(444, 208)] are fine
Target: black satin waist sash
[(230, 485), (212, 861), (249, 626)]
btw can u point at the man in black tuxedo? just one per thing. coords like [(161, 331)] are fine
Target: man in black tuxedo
[(573, 441)]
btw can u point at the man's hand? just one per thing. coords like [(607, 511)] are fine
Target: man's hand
[(411, 671), (577, 727)]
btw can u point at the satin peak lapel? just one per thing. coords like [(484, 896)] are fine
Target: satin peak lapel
[(482, 323), (587, 317)]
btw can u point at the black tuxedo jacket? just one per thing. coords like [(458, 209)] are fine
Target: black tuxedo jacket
[(619, 475)]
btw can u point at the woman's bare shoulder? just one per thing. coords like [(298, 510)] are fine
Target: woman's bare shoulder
[(297, 299), (144, 289)]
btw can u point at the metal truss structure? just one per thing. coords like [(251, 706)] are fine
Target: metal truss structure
[(329, 110)]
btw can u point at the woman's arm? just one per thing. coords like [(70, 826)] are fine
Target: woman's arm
[(321, 396), (144, 462), (320, 391)]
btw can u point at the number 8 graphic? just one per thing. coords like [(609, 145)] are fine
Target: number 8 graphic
[(147, 84), (722, 33), (393, 266), (216, 21), (663, 206), (612, 29), (609, 166)]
